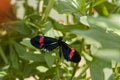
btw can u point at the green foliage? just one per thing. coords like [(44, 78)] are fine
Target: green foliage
[(92, 27)]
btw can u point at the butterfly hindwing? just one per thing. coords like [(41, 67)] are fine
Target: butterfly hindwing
[(70, 54), (44, 42), (48, 43)]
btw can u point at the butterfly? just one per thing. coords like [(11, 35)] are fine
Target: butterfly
[(48, 44)]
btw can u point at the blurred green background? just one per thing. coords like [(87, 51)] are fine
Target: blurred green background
[(92, 27)]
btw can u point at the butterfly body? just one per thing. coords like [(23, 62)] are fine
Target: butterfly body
[(48, 44)]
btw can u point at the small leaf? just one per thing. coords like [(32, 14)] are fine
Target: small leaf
[(49, 59), (98, 2), (107, 54), (82, 6), (22, 28), (104, 23), (101, 70), (27, 43), (106, 40), (14, 59), (68, 28), (28, 55), (61, 6), (30, 68)]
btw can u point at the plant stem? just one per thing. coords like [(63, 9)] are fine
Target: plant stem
[(82, 45), (32, 24), (57, 69), (48, 9), (67, 19), (3, 56), (90, 9), (75, 69), (116, 69)]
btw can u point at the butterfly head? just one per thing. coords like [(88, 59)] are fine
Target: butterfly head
[(60, 38), (35, 41)]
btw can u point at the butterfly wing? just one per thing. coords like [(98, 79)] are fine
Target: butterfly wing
[(44, 42), (70, 54)]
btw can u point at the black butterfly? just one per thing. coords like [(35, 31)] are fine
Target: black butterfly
[(48, 44)]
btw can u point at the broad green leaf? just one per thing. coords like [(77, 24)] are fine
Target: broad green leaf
[(14, 59), (2, 74), (68, 28), (30, 68), (98, 2), (105, 8), (49, 59), (53, 33), (107, 54), (105, 39), (101, 70), (2, 54), (28, 55), (51, 72), (26, 42), (105, 23), (22, 28), (42, 69), (82, 6), (49, 31), (61, 6), (48, 26)]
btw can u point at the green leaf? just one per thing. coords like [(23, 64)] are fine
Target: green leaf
[(98, 2), (2, 74), (104, 23), (49, 59), (68, 28), (27, 43), (14, 59), (107, 54), (51, 72), (30, 68), (82, 6), (28, 55), (104, 39), (105, 8), (22, 28), (101, 70), (61, 6)]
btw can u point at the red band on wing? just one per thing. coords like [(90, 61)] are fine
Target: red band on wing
[(72, 53), (41, 41)]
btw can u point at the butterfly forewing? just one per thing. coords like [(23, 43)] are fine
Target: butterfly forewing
[(44, 42), (48, 44), (70, 54)]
